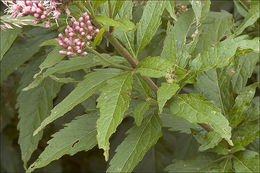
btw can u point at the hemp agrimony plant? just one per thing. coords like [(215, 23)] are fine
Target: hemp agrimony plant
[(130, 86)]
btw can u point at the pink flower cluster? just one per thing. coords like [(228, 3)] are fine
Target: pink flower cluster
[(42, 10), (77, 36)]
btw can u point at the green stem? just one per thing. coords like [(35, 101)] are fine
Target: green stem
[(109, 62)]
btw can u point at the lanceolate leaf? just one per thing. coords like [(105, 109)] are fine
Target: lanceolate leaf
[(113, 102), (246, 161), (7, 38), (242, 103), (201, 9), (250, 18), (78, 135), (116, 5), (149, 23), (33, 106), (140, 110), (165, 92), (84, 90), (131, 151), (195, 109)]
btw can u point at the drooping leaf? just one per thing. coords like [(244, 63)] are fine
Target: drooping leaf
[(23, 49), (221, 54), (216, 86), (165, 92), (246, 161), (33, 106), (242, 103), (113, 102), (251, 17), (78, 135), (84, 90), (140, 110), (196, 109), (243, 68), (7, 38), (169, 46), (149, 23), (131, 151)]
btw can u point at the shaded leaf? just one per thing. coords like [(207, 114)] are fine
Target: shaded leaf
[(246, 161), (140, 110)]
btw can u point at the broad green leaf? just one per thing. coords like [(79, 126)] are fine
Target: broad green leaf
[(33, 106), (196, 109), (141, 86), (253, 113), (149, 23), (216, 86), (23, 49), (201, 9), (242, 103), (240, 7), (78, 135), (221, 54), (245, 134), (251, 17), (169, 46), (53, 58), (140, 110), (84, 90), (138, 141), (7, 38), (97, 3), (165, 92), (170, 8), (246, 161), (116, 6), (243, 68), (99, 37), (113, 102), (154, 67), (177, 124), (106, 21), (51, 42)]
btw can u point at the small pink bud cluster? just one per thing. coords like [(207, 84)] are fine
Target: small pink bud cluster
[(43, 11), (77, 36)]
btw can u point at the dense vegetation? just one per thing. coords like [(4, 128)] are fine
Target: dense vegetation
[(130, 86)]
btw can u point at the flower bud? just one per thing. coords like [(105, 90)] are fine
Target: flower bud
[(70, 53), (96, 31), (63, 52), (84, 54)]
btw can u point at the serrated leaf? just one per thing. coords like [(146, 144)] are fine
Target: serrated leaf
[(154, 67), (23, 49), (246, 161), (251, 17), (216, 86), (196, 109), (84, 90), (243, 68), (131, 151), (140, 110), (221, 54), (78, 135), (165, 92), (149, 23), (169, 46), (113, 102), (7, 38), (242, 103), (33, 106)]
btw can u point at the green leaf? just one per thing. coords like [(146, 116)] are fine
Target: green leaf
[(154, 67), (216, 86), (51, 42), (170, 8), (242, 103), (113, 102), (78, 135), (251, 17), (196, 109), (33, 106), (141, 86), (106, 21), (201, 9), (99, 37), (165, 92), (149, 23), (169, 46), (240, 7), (221, 54), (84, 90), (246, 161), (139, 140), (116, 6), (97, 3), (7, 38), (140, 110), (243, 68), (23, 49)]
